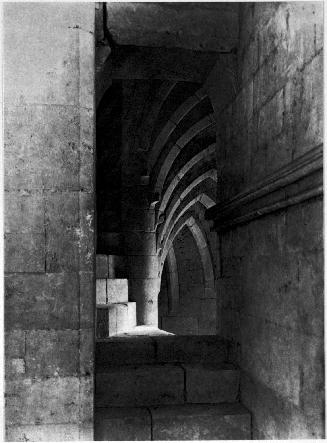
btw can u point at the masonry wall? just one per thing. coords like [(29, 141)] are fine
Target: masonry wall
[(49, 220), (270, 285)]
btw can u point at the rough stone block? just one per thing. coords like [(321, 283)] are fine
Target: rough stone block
[(54, 400), (124, 351), (140, 386), (24, 252), (41, 301), (101, 291), (201, 422), (52, 353), (101, 266), (211, 384), (117, 424), (117, 290)]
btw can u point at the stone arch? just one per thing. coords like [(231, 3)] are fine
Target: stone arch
[(173, 293), (202, 245), (203, 199), (211, 174), (192, 132), (206, 154), (172, 123)]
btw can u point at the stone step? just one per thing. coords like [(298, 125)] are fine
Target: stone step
[(161, 349), (111, 266), (115, 318), (111, 290), (182, 422), (166, 384)]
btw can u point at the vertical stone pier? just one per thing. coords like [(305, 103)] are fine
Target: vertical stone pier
[(49, 220), (140, 247)]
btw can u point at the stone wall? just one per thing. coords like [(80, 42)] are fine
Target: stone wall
[(270, 285), (49, 220)]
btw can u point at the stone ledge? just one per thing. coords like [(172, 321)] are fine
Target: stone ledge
[(300, 180)]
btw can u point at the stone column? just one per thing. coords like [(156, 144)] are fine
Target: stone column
[(140, 248), (49, 220)]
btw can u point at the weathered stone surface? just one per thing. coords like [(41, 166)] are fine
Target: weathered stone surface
[(117, 290), (52, 432), (211, 384), (140, 386), (122, 424), (201, 422), (87, 299), (41, 301), (86, 397), (27, 164), (15, 343), (24, 252), (49, 222), (86, 357), (101, 291), (52, 353), (24, 212), (54, 400), (14, 367)]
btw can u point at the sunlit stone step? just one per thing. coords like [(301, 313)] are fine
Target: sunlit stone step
[(111, 290), (115, 318)]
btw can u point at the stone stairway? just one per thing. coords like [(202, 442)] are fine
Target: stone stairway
[(155, 385), (115, 314)]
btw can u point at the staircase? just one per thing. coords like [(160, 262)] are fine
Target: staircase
[(114, 313), (151, 385)]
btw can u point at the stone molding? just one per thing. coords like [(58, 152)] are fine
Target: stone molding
[(299, 180)]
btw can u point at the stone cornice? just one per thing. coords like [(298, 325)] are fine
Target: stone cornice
[(299, 180)]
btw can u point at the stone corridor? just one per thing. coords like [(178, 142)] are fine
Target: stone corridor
[(163, 191)]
